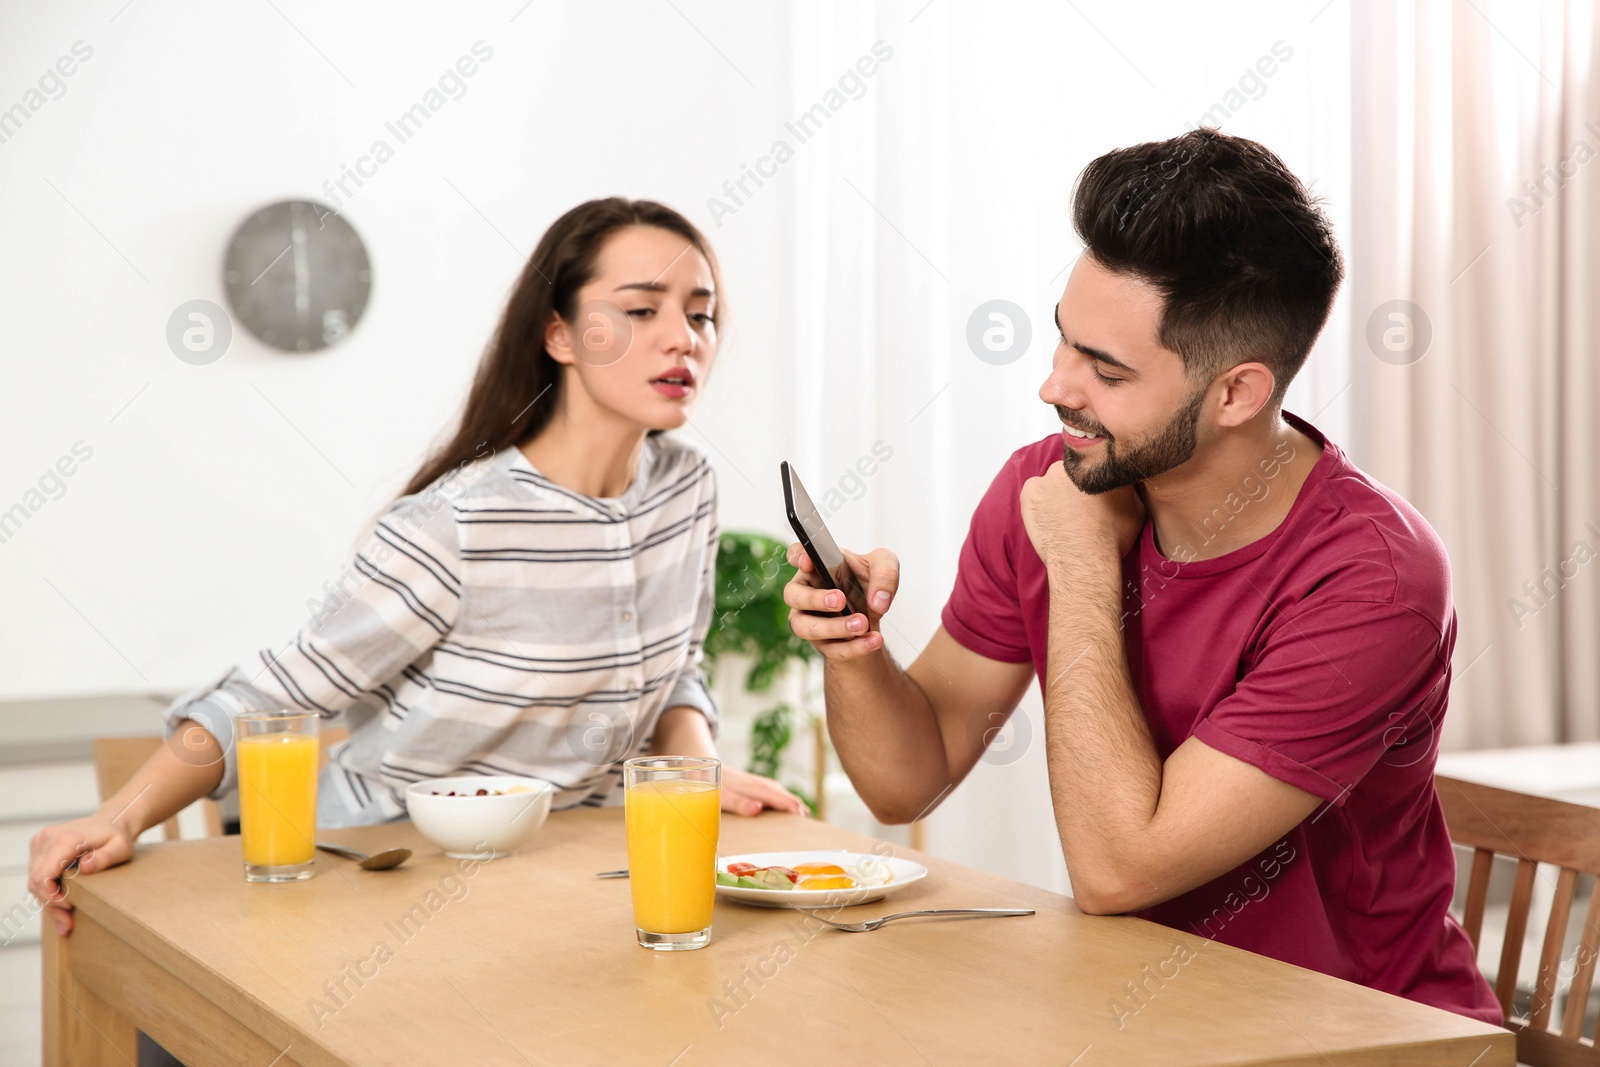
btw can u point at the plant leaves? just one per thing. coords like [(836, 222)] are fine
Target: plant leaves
[(751, 619)]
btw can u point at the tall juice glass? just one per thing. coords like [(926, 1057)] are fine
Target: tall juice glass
[(277, 753), (673, 806)]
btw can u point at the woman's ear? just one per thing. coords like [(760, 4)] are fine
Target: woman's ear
[(558, 341)]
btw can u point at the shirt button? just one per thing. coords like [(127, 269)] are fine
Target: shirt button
[(627, 616)]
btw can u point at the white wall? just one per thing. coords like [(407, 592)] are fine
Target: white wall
[(219, 497), (206, 517)]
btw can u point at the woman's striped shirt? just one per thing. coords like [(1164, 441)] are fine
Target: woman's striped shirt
[(498, 623)]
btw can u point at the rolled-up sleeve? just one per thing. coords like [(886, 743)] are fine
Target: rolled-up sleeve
[(214, 706), (397, 599), (691, 691), (690, 688)]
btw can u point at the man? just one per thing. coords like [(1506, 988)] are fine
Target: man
[(1243, 642)]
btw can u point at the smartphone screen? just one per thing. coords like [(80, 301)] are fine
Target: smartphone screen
[(826, 557)]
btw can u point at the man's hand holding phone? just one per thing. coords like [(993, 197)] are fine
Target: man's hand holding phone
[(814, 608)]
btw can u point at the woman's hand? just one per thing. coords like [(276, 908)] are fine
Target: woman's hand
[(744, 793), (684, 731), (96, 842)]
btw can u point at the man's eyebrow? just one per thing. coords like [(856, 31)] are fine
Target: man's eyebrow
[(1094, 353), (1106, 357), (658, 287)]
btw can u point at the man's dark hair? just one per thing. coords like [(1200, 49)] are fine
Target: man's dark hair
[(1240, 250)]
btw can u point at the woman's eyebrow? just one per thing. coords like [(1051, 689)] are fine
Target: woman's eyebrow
[(658, 287)]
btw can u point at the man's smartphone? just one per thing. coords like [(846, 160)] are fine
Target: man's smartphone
[(831, 569)]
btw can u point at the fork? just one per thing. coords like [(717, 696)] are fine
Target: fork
[(960, 913)]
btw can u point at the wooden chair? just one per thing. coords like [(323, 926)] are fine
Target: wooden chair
[(116, 758), (1534, 830)]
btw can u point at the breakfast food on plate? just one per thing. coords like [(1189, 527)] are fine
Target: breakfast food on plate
[(871, 872), (861, 875), (485, 792)]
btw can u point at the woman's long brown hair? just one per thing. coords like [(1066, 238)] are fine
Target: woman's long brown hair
[(517, 387)]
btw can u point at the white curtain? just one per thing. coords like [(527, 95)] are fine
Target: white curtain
[(1475, 125), (947, 184)]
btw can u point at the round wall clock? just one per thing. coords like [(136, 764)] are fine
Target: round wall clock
[(297, 275)]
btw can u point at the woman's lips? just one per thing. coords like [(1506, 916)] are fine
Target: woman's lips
[(676, 383)]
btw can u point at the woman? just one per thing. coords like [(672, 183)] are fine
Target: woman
[(536, 601)]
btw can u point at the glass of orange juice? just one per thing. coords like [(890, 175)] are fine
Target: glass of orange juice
[(673, 806), (277, 753)]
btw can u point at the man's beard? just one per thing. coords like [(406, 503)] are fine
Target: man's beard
[(1172, 445)]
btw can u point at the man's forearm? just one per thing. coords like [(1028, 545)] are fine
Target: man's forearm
[(1105, 773), (887, 737)]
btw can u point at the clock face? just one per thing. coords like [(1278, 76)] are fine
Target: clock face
[(297, 276)]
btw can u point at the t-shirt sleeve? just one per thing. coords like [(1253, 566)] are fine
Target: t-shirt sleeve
[(984, 612), (1337, 683)]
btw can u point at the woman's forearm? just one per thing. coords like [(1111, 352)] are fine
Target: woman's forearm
[(184, 769), (683, 731)]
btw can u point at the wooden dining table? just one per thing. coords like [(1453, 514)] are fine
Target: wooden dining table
[(529, 959)]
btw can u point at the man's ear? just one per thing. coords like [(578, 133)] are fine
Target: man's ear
[(1246, 390), (558, 341)]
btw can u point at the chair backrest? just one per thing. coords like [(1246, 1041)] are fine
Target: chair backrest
[(1534, 830), (116, 758)]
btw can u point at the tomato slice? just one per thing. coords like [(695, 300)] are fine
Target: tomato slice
[(746, 870)]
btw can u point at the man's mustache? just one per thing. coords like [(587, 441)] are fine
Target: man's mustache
[(1078, 422)]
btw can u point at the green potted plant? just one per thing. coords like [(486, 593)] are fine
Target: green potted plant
[(751, 620)]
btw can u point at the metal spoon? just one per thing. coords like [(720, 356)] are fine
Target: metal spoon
[(393, 857)]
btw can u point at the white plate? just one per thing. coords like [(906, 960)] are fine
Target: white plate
[(905, 872)]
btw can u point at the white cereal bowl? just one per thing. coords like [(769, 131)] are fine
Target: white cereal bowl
[(474, 827)]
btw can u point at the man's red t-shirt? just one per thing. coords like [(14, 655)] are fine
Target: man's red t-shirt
[(1320, 654)]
